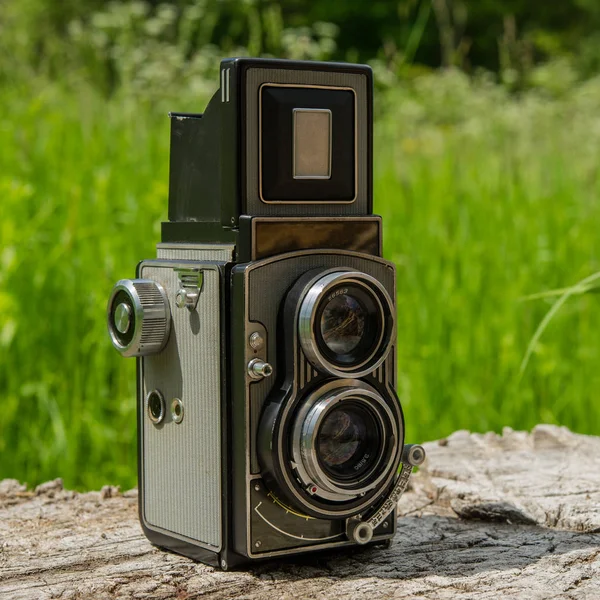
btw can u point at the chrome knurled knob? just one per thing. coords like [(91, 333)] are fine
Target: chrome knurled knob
[(139, 318)]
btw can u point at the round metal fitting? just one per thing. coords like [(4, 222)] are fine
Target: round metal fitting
[(177, 410), (155, 406), (187, 298), (258, 369), (359, 531), (138, 315), (318, 294), (123, 317), (307, 429), (415, 455), (181, 298), (256, 341)]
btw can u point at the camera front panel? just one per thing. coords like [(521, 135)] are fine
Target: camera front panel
[(298, 505)]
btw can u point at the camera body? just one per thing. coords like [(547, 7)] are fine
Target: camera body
[(264, 331)]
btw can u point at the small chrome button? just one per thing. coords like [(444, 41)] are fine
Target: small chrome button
[(123, 317), (177, 410), (414, 455), (359, 531), (191, 281), (256, 341), (258, 369)]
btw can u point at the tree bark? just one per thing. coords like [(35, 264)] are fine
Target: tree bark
[(487, 516)]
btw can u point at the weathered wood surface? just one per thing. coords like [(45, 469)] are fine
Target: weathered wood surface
[(511, 516)]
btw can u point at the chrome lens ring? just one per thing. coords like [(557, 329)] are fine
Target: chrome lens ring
[(124, 294), (320, 293), (305, 438)]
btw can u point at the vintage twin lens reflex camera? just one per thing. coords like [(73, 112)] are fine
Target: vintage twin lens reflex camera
[(264, 331)]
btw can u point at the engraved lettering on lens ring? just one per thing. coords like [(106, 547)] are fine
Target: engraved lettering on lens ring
[(308, 454), (392, 500), (364, 307), (339, 292)]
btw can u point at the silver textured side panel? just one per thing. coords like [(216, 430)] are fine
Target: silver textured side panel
[(254, 79), (217, 252), (182, 462)]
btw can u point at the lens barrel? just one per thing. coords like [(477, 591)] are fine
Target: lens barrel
[(346, 323), (343, 441)]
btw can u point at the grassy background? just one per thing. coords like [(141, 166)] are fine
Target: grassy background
[(486, 198)]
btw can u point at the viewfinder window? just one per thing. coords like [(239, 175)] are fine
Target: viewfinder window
[(312, 143)]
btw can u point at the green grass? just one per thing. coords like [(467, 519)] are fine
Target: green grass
[(486, 199)]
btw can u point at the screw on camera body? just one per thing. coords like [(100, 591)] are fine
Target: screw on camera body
[(256, 341)]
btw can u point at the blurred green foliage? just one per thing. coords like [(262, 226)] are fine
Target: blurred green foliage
[(487, 183), (109, 41)]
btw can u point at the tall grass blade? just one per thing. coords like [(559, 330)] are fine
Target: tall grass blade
[(581, 287)]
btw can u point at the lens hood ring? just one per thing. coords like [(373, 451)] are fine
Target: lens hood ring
[(312, 302), (306, 429)]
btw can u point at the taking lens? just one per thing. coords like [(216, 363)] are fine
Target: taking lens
[(348, 442), (345, 441)]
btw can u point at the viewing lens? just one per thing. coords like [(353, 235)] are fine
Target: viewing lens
[(343, 324), (348, 442), (348, 325)]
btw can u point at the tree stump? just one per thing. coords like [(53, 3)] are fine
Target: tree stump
[(487, 516)]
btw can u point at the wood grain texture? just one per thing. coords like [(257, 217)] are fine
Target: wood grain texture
[(487, 516)]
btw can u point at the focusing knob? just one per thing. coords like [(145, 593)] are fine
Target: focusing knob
[(139, 319)]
